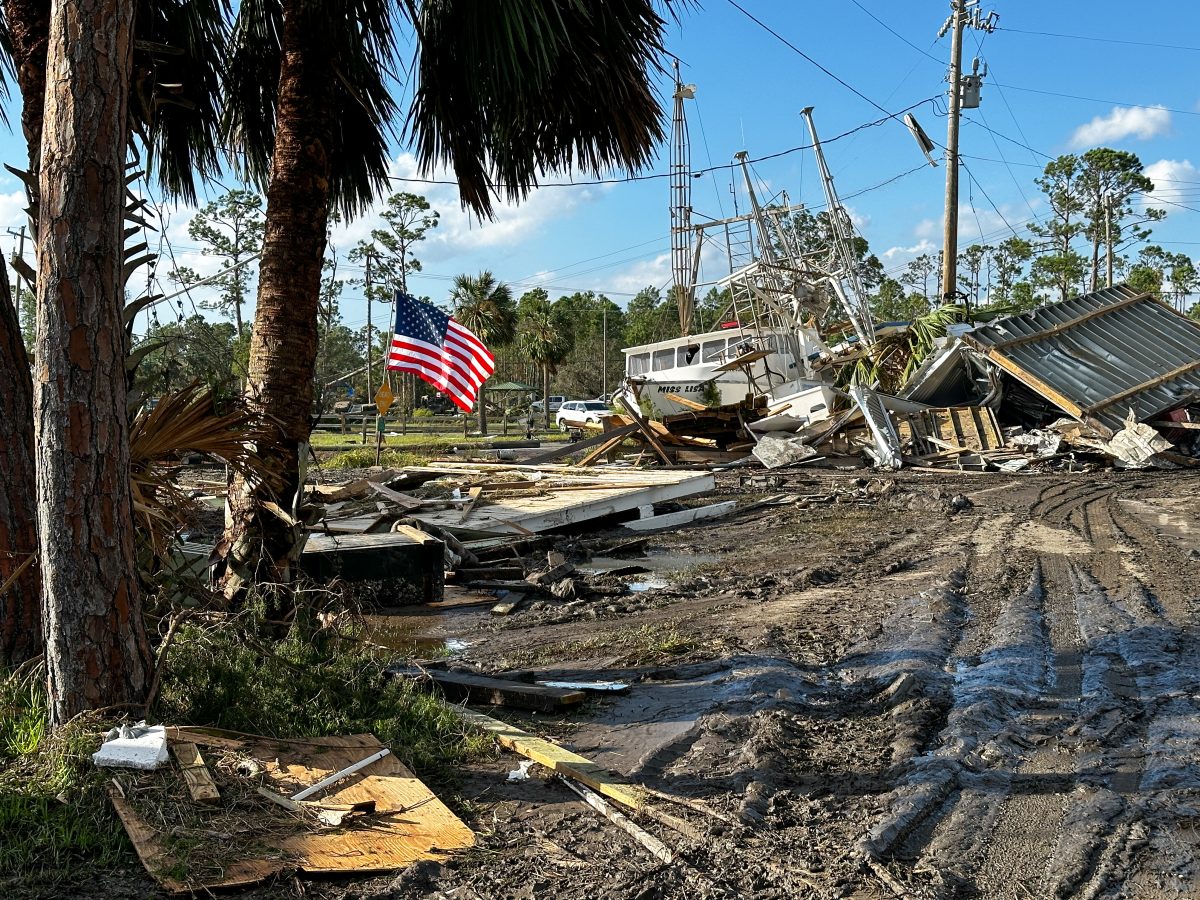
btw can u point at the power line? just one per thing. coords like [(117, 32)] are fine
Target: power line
[(1100, 40), (1028, 90), (971, 176), (763, 25), (1011, 140), (697, 173), (889, 28)]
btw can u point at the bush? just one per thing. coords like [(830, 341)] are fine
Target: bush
[(228, 678), (422, 413)]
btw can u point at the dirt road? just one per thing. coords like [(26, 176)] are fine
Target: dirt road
[(904, 693)]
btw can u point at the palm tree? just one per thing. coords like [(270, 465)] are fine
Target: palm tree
[(485, 307), (503, 93), (545, 339)]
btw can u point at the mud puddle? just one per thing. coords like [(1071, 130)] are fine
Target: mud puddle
[(414, 636)]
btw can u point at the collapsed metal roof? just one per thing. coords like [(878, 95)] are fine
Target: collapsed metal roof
[(1100, 355)]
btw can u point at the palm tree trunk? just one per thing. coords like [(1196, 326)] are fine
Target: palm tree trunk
[(482, 412), (20, 605), (283, 341), (546, 393), (97, 654)]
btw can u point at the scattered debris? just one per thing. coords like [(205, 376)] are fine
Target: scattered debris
[(133, 747), (459, 686), (256, 831)]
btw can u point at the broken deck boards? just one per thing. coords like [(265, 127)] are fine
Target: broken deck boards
[(583, 498), (410, 822), (558, 759)]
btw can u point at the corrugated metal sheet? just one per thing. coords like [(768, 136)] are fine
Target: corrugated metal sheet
[(1100, 355)]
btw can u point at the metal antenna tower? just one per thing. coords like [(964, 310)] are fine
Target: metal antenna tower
[(681, 208), (854, 301)]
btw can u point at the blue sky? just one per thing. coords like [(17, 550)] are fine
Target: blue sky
[(750, 88)]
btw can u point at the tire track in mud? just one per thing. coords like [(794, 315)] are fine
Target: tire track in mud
[(1078, 719)]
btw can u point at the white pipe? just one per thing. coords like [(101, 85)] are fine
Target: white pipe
[(338, 776)]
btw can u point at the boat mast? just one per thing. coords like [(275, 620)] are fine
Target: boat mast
[(854, 301), (683, 278)]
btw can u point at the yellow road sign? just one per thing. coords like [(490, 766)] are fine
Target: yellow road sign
[(384, 398)]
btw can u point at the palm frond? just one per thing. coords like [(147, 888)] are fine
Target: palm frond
[(186, 421), (510, 90), (175, 103)]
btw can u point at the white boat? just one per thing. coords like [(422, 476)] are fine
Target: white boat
[(723, 367)]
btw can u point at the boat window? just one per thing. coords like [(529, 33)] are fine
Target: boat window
[(711, 351), (770, 343), (664, 359), (639, 363), (686, 356)]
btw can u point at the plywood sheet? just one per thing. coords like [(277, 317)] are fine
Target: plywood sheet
[(410, 822)]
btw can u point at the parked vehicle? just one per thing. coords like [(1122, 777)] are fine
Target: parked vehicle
[(556, 402), (575, 412)]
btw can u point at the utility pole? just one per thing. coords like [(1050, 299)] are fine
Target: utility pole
[(958, 21), (20, 255), (604, 348), (1108, 235), (370, 340)]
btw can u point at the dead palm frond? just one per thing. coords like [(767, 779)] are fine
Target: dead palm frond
[(897, 354), (185, 421)]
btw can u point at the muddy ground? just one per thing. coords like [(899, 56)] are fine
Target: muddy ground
[(940, 686)]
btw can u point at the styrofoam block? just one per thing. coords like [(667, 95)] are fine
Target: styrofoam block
[(146, 751)]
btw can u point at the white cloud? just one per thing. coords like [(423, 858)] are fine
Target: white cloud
[(1172, 175), (458, 231), (1124, 121), (926, 228), (655, 271), (923, 246)]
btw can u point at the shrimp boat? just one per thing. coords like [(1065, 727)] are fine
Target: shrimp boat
[(768, 350)]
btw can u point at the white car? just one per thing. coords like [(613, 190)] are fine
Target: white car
[(576, 412), (556, 402)]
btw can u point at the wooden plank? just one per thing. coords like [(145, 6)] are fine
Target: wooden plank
[(682, 401), (602, 449), (558, 759), (405, 501), (586, 443), (683, 517), (1161, 423), (195, 773), (472, 497), (459, 686)]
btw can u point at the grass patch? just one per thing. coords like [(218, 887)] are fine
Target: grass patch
[(307, 688), (364, 458), (55, 818)]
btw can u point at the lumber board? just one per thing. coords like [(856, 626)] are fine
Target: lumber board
[(587, 443), (558, 759), (473, 496), (683, 517), (195, 773), (460, 686)]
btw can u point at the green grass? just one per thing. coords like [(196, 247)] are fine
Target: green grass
[(55, 818), (307, 688), (364, 458)]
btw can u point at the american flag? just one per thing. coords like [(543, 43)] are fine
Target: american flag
[(434, 347)]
